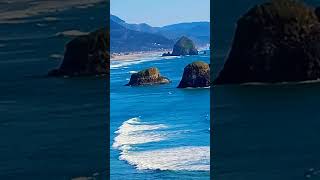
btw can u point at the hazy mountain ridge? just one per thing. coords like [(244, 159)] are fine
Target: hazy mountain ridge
[(125, 40), (199, 32)]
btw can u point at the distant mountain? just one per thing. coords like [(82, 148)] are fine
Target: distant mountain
[(143, 27), (123, 39), (199, 32), (142, 37)]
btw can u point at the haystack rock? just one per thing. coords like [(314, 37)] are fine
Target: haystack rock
[(184, 46)]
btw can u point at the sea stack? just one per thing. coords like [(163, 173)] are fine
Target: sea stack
[(150, 76), (277, 41), (196, 74), (86, 55), (184, 46)]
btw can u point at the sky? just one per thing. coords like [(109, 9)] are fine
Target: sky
[(161, 12)]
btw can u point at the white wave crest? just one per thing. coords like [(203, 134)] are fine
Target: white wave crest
[(132, 72), (135, 132), (188, 158)]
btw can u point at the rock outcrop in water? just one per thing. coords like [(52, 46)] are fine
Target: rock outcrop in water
[(184, 46), (149, 76), (86, 55), (196, 74), (274, 42)]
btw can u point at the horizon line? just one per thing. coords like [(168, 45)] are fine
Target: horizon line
[(158, 26)]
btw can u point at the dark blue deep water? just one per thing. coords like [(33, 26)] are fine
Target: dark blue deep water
[(262, 131), (50, 128), (159, 132)]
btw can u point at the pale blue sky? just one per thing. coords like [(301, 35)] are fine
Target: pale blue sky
[(161, 12)]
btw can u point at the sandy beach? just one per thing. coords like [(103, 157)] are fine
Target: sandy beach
[(124, 56), (135, 55)]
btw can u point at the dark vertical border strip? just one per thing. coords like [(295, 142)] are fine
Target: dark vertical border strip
[(211, 89), (108, 94)]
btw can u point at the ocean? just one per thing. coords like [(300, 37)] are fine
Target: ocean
[(158, 132), (261, 131), (50, 128)]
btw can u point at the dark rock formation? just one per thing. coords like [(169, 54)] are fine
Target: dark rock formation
[(196, 74), (274, 42), (149, 76), (86, 55), (166, 54), (184, 46)]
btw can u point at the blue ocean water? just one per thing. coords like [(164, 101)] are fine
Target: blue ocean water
[(50, 128), (158, 132), (261, 131)]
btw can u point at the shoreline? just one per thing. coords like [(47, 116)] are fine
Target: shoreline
[(129, 56), (126, 56)]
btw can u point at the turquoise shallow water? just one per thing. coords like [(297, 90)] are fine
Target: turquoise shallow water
[(261, 131), (50, 128), (158, 132)]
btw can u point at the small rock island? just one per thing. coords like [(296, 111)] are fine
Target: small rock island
[(150, 76), (184, 46), (278, 41), (86, 55), (196, 74)]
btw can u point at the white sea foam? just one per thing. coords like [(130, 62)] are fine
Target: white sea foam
[(135, 132), (56, 56), (124, 63), (71, 33), (188, 158), (132, 72)]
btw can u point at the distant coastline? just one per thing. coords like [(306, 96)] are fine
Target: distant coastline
[(136, 55)]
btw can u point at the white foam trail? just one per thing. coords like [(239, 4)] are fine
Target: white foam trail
[(134, 132), (188, 158)]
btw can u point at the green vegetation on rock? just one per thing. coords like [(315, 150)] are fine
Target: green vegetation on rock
[(86, 55), (184, 46), (148, 76), (196, 74)]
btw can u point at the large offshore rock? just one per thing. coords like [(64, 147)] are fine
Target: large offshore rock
[(184, 46), (274, 42), (86, 55), (149, 76), (196, 74)]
